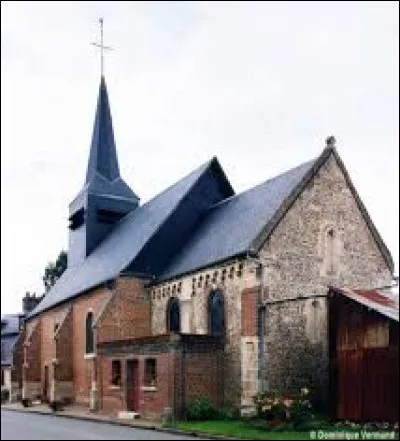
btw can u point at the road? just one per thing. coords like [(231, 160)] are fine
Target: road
[(26, 426)]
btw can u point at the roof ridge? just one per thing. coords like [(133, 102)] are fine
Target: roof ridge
[(201, 170), (262, 183), (204, 165)]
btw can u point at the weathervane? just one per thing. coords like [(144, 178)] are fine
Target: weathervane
[(101, 46)]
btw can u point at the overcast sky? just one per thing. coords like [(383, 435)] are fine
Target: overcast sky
[(260, 85)]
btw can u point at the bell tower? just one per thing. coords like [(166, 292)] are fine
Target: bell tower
[(105, 197)]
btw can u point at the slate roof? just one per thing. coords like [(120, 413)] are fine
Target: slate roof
[(121, 247), (7, 346), (10, 324), (195, 223), (9, 336), (231, 226), (236, 225), (102, 175)]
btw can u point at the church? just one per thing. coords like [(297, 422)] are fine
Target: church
[(199, 292)]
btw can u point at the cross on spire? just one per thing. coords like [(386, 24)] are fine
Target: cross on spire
[(102, 47)]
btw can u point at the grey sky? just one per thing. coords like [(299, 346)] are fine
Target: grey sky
[(260, 85)]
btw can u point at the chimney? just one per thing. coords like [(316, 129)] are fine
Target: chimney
[(29, 302)]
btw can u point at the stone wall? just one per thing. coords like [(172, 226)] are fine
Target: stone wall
[(322, 240)]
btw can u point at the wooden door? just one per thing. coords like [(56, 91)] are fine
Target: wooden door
[(349, 382), (132, 385)]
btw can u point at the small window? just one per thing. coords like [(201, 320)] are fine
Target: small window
[(216, 314), (77, 219), (173, 315), (116, 373), (150, 374), (330, 252), (89, 334), (56, 326)]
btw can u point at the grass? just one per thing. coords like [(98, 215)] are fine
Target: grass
[(238, 429), (244, 430)]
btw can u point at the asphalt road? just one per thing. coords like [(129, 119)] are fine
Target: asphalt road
[(26, 426)]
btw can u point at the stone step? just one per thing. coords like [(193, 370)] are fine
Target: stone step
[(128, 415)]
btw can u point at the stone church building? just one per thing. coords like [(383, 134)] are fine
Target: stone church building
[(199, 291)]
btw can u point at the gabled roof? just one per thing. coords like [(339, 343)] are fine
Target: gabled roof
[(244, 222), (193, 224), (10, 323), (231, 226), (9, 335), (380, 300), (7, 345), (135, 233), (267, 230)]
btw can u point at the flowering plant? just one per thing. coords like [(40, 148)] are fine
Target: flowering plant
[(295, 409)]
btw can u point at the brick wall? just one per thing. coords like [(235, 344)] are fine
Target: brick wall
[(203, 377), (83, 366), (186, 368), (64, 347), (113, 399), (249, 312), (31, 368), (32, 349), (152, 400), (48, 345), (127, 314), (18, 359)]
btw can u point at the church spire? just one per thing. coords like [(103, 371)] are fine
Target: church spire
[(103, 154), (106, 197)]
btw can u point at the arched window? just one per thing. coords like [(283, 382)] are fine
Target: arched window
[(216, 313), (173, 315), (89, 334)]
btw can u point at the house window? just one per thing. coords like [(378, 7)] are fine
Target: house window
[(56, 326), (150, 373), (116, 373), (89, 334), (216, 313), (173, 315)]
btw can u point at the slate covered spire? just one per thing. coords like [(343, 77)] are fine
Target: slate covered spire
[(105, 197), (103, 154)]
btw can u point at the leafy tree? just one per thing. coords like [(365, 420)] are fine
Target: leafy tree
[(53, 270)]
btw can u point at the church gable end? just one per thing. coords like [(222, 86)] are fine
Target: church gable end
[(333, 198), (323, 238)]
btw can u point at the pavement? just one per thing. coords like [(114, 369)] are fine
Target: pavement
[(83, 413)]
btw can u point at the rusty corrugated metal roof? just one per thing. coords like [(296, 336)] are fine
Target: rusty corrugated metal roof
[(381, 300)]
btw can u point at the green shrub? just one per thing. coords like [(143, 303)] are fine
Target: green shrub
[(201, 409), (295, 411)]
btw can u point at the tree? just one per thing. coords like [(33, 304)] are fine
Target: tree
[(53, 270)]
